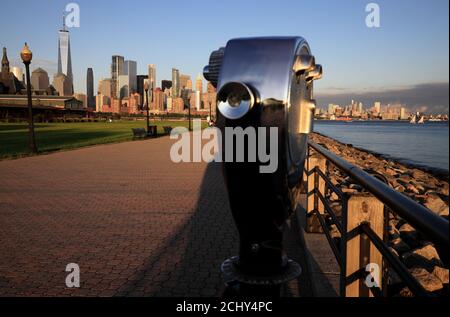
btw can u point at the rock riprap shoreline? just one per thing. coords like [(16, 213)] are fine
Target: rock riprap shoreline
[(421, 257)]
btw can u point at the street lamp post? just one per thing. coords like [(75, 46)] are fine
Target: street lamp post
[(27, 56), (189, 116), (147, 107), (210, 112)]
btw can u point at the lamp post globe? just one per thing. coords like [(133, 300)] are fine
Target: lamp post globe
[(26, 54)]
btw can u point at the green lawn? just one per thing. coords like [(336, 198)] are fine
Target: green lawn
[(59, 136)]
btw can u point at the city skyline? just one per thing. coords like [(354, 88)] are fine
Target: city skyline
[(379, 50)]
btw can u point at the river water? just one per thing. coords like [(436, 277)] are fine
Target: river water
[(419, 144)]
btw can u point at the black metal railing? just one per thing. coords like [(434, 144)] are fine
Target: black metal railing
[(432, 226)]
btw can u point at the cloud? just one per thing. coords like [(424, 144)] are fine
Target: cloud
[(426, 97)]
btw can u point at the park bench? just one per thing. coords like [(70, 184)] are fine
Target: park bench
[(167, 129), (142, 133), (139, 133)]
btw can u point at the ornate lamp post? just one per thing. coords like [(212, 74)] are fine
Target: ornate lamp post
[(146, 106), (210, 112), (27, 56), (189, 116)]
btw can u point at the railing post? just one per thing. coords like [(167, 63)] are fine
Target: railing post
[(315, 182), (360, 252)]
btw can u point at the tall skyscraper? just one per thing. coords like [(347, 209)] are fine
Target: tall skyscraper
[(152, 76), (130, 70), (116, 70), (199, 84), (175, 83), (90, 100), (64, 55), (127, 81)]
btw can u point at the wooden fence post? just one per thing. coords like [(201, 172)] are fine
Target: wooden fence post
[(313, 201), (359, 251)]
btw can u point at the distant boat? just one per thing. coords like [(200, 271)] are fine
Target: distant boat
[(413, 120), (422, 120), (345, 119)]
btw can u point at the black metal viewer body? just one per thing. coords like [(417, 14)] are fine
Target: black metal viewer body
[(264, 82)]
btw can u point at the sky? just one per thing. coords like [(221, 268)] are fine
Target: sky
[(405, 60)]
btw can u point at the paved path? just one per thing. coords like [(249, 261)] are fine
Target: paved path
[(136, 223)]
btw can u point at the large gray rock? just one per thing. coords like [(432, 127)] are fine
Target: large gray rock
[(429, 281), (425, 257), (437, 205)]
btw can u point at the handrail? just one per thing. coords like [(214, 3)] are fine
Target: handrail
[(433, 226), (395, 263)]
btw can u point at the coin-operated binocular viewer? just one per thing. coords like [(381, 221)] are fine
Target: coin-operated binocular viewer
[(264, 83)]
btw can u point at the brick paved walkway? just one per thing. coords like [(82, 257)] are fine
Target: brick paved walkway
[(136, 223)]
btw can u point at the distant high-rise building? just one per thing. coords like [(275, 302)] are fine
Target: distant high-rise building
[(403, 115), (152, 76), (175, 83), (124, 86), (130, 69), (332, 108), (117, 69), (127, 81), (90, 99), (377, 107), (64, 55), (63, 85), (166, 84), (101, 101), (189, 84), (39, 79), (199, 84), (158, 100), (169, 103), (105, 87), (210, 88), (184, 82), (360, 107), (177, 105)]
